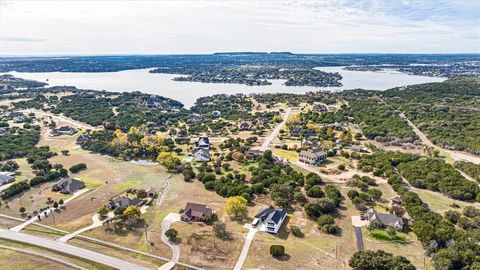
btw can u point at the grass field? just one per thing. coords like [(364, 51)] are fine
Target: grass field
[(292, 156)]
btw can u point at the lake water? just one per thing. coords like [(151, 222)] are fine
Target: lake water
[(187, 92)]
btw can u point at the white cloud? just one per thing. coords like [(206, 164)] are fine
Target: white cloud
[(159, 27)]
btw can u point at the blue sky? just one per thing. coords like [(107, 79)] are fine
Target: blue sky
[(162, 27)]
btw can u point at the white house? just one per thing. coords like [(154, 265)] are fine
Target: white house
[(6, 177), (271, 218)]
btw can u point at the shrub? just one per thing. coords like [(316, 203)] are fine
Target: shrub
[(277, 250), (315, 192), (78, 167), (172, 234), (296, 231), (325, 220), (330, 229)]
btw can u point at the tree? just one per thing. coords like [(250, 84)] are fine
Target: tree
[(188, 174), (375, 193), (22, 210), (61, 202), (168, 160), (220, 231), (142, 194), (325, 220), (55, 205), (379, 260), (315, 192), (103, 211), (172, 235), (132, 212), (237, 207), (300, 198), (277, 250), (65, 152)]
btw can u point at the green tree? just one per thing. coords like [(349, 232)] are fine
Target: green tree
[(172, 234)]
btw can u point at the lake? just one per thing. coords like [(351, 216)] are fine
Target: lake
[(187, 92)]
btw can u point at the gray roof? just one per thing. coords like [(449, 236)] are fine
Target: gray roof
[(6, 177), (125, 202), (385, 219), (316, 153), (68, 185), (271, 214), (202, 155)]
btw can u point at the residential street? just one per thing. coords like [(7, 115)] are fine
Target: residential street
[(69, 249), (275, 131)]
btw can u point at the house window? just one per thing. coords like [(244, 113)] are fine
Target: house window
[(270, 228)]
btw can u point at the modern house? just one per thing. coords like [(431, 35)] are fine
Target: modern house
[(68, 185), (83, 138), (6, 177), (65, 130), (313, 157), (385, 220), (124, 202), (196, 212), (271, 217), (216, 113), (201, 155), (203, 142)]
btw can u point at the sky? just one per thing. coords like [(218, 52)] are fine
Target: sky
[(88, 27)]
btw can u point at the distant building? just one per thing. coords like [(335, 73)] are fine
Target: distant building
[(65, 130), (359, 148), (245, 125), (271, 217), (15, 114), (201, 155), (6, 177), (83, 138), (320, 108), (385, 220), (124, 202), (19, 119), (196, 212), (68, 185), (203, 142), (252, 153), (216, 113), (4, 131), (313, 157)]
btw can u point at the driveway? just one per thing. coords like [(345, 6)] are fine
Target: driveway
[(96, 223), (359, 236), (248, 241), (69, 249), (167, 221)]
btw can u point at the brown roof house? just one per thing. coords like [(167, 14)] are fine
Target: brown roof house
[(196, 212)]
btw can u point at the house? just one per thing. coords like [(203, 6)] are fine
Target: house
[(313, 157), (396, 200), (203, 142), (65, 130), (83, 138), (216, 113), (320, 108), (202, 155), (151, 192), (359, 149), (6, 177), (124, 202), (68, 185), (253, 154), (196, 212), (336, 126), (311, 134), (4, 131), (295, 131), (271, 217), (19, 119), (245, 125), (196, 118), (385, 220)]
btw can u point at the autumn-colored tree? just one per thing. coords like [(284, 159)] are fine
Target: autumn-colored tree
[(237, 207), (132, 212)]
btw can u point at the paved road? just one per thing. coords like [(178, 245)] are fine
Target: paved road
[(43, 255), (246, 246), (167, 221), (275, 131), (48, 211), (69, 249), (359, 236)]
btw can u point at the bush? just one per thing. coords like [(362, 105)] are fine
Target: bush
[(277, 250), (330, 229), (315, 192), (172, 234), (78, 167), (296, 231), (325, 220)]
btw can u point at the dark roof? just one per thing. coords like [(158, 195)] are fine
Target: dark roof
[(271, 214), (5, 178), (196, 210), (384, 219), (84, 138), (68, 185), (313, 153), (125, 202)]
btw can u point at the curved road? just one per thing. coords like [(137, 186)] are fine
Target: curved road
[(69, 249)]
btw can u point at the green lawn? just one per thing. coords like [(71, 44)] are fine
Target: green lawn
[(286, 154), (382, 235)]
